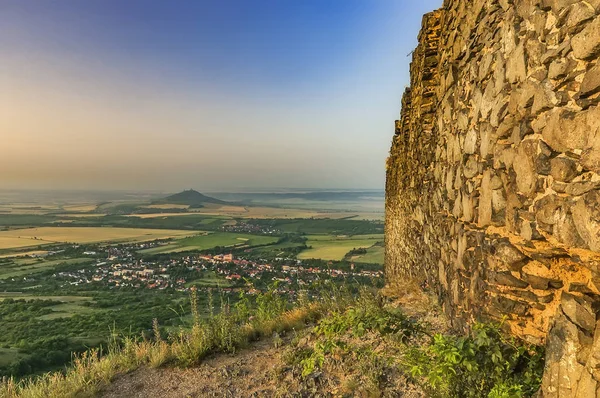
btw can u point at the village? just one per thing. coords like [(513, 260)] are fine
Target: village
[(119, 267)]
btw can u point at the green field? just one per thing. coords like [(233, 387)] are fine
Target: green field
[(9, 355), (330, 247), (67, 310), (375, 255), (211, 240), (25, 266), (209, 279)]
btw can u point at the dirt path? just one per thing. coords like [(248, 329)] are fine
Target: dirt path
[(249, 373)]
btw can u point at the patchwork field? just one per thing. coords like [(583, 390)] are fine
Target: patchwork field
[(28, 266), (48, 235), (267, 212), (80, 207), (160, 215), (208, 241), (24, 254), (81, 215), (329, 247)]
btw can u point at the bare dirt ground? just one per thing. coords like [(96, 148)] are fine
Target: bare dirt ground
[(246, 374)]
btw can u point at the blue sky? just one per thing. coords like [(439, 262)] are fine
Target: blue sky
[(206, 94)]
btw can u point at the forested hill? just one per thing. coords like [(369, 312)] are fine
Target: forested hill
[(190, 197)]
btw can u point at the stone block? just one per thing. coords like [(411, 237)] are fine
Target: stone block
[(586, 216), (586, 44), (563, 169), (591, 82), (542, 283), (505, 278), (578, 311)]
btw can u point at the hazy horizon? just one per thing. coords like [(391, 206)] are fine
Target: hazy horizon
[(162, 96)]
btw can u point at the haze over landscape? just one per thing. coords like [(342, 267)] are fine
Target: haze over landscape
[(142, 95), (299, 198)]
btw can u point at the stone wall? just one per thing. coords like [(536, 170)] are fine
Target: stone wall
[(493, 179)]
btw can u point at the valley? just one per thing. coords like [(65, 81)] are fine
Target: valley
[(73, 274)]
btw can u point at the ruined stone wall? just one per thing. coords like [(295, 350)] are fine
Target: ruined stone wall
[(493, 179)]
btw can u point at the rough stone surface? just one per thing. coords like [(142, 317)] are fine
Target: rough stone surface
[(586, 44), (563, 169), (493, 179), (591, 82)]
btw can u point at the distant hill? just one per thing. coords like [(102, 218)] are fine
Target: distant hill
[(191, 198)]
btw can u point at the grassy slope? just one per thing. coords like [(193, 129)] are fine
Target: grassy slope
[(354, 346), (329, 247)]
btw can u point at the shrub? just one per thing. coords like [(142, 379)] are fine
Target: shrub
[(485, 363)]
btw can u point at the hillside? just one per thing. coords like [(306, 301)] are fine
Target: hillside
[(344, 344), (191, 198)]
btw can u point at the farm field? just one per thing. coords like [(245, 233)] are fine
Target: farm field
[(375, 255), (25, 296), (28, 266), (210, 279), (80, 207), (330, 247), (160, 215), (268, 212), (81, 215), (49, 235), (210, 240), (24, 254)]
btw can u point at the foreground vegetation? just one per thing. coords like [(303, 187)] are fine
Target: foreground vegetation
[(366, 339), (374, 347)]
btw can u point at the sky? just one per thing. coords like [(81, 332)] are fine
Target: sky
[(211, 95)]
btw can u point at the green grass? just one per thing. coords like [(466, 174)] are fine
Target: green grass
[(210, 279), (22, 296), (67, 310), (211, 240), (329, 247), (375, 255), (8, 356), (227, 331), (26, 266)]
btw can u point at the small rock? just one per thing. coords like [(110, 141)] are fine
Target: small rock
[(471, 168), (578, 311), (516, 67), (558, 68), (563, 169), (591, 82), (581, 187), (510, 255), (579, 13), (586, 216), (505, 278), (470, 146), (542, 283), (561, 121), (510, 306)]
